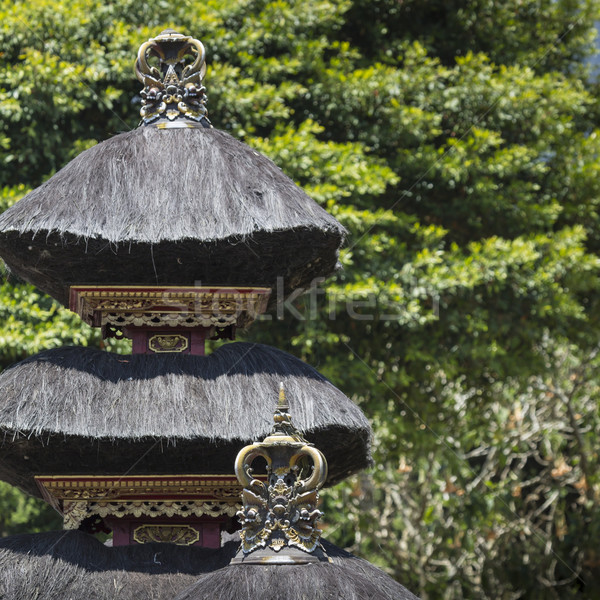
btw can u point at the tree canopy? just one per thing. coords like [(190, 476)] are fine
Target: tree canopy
[(458, 142)]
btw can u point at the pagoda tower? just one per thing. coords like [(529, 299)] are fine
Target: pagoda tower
[(170, 235)]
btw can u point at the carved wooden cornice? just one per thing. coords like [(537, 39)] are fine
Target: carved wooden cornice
[(156, 307), (80, 497)]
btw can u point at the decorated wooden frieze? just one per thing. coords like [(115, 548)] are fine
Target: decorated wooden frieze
[(173, 94), (279, 516), (168, 319), (187, 307), (140, 498)]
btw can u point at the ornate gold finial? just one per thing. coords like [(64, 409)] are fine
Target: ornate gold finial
[(283, 426), (173, 94), (279, 517)]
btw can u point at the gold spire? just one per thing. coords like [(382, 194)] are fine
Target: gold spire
[(282, 404)]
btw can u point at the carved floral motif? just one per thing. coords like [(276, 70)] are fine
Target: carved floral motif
[(182, 535), (168, 343)]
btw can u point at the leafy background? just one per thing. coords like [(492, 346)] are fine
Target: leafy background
[(459, 144)]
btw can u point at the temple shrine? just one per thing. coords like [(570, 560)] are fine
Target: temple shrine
[(204, 468)]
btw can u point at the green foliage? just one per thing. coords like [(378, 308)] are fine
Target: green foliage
[(22, 514), (458, 143), (545, 34)]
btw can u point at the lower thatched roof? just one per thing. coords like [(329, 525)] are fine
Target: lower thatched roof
[(84, 411), (72, 565), (347, 578), (75, 566)]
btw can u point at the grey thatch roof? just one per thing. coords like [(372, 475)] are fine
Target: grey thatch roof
[(72, 565), (75, 566), (169, 207), (82, 410)]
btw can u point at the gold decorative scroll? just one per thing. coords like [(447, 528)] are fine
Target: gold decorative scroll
[(75, 512), (172, 320), (190, 508), (182, 535), (168, 343)]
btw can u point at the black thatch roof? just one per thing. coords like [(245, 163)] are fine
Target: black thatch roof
[(84, 411), (72, 565), (169, 207), (75, 566)]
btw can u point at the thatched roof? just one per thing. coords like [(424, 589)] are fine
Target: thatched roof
[(346, 577), (169, 207), (72, 565), (76, 566), (81, 410)]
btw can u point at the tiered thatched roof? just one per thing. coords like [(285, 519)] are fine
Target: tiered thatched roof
[(169, 207), (84, 411), (73, 564)]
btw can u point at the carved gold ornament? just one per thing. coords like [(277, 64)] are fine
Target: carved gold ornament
[(182, 535), (74, 513), (168, 343), (280, 514), (173, 93)]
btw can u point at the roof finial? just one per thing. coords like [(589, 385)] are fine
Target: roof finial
[(283, 421), (279, 518), (173, 94), (282, 404)]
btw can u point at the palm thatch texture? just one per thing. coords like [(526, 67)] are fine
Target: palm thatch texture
[(169, 207), (84, 411), (73, 564)]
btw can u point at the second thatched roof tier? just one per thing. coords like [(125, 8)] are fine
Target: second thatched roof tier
[(84, 411), (169, 207)]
